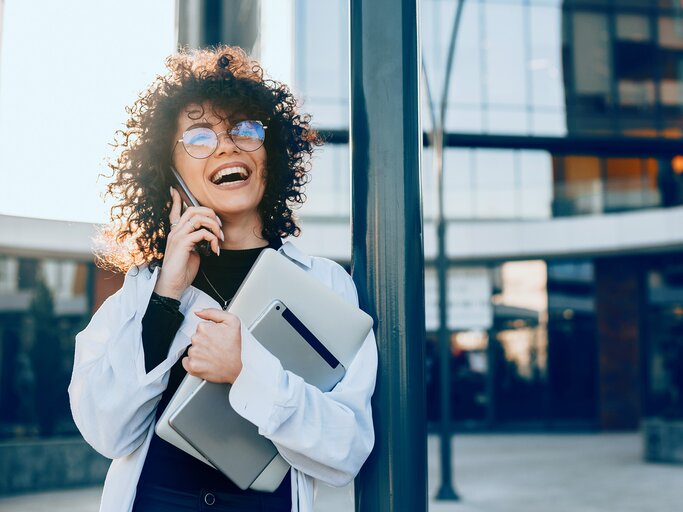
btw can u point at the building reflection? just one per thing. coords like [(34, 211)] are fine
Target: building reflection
[(43, 304)]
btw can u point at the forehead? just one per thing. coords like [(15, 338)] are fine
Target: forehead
[(201, 112), (207, 113)]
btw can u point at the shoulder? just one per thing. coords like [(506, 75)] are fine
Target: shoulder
[(139, 272), (138, 284), (336, 277), (325, 270), (137, 277), (328, 267)]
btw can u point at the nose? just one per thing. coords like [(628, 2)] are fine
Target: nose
[(225, 144)]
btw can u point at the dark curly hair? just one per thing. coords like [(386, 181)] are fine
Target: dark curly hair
[(231, 83)]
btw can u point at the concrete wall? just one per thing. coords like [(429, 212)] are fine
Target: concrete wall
[(27, 466), (477, 241)]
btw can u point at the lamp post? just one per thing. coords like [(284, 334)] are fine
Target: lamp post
[(446, 490)]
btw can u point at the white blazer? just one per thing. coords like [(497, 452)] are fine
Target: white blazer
[(324, 436)]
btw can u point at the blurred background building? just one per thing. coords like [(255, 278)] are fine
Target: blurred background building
[(564, 206)]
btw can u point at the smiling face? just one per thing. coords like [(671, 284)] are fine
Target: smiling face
[(231, 181)]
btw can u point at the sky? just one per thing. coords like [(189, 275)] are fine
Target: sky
[(67, 71)]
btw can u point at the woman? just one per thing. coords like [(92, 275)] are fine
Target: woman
[(237, 141)]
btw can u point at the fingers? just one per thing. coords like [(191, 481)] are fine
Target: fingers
[(196, 354), (216, 347), (195, 237), (176, 207), (194, 217), (191, 223), (197, 223), (190, 365)]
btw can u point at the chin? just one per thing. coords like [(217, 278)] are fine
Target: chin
[(236, 210)]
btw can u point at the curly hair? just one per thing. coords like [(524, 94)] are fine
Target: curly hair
[(231, 83)]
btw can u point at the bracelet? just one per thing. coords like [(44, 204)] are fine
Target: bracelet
[(172, 305)]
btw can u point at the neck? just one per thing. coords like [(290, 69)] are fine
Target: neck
[(242, 233)]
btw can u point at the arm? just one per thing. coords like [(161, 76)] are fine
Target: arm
[(325, 435), (159, 326), (112, 396)]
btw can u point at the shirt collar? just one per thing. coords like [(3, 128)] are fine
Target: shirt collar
[(293, 253)]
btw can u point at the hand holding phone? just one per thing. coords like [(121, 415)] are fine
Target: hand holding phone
[(193, 229), (203, 247)]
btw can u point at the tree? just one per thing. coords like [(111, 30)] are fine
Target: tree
[(45, 357)]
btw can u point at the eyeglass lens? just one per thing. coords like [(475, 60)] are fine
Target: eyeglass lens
[(201, 142)]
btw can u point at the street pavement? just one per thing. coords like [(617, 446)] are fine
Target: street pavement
[(503, 473)]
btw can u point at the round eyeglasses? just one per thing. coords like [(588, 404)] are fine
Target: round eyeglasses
[(201, 141)]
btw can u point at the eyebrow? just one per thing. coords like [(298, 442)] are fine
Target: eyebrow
[(201, 124)]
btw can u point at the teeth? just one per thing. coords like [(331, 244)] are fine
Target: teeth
[(229, 171)]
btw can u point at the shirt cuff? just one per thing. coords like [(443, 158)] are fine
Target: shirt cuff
[(255, 394)]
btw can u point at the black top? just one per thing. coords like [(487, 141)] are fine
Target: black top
[(166, 465)]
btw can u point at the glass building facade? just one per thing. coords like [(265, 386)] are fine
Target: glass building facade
[(576, 71), (44, 302), (556, 110)]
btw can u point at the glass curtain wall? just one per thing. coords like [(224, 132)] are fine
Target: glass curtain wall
[(543, 69), (507, 74), (526, 74), (43, 304), (664, 337)]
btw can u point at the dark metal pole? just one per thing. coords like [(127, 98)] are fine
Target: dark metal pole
[(201, 23), (388, 259)]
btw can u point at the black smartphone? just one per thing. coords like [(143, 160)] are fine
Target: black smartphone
[(203, 247)]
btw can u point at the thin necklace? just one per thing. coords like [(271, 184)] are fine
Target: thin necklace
[(225, 302)]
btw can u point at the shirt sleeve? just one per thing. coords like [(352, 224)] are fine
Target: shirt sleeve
[(159, 326), (113, 399), (326, 435)]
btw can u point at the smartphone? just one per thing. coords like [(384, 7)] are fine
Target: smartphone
[(203, 247)]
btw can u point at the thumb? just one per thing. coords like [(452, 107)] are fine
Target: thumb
[(213, 314)]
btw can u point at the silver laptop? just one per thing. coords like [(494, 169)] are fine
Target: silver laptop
[(308, 327)]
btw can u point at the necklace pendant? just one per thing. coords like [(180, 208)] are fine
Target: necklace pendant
[(225, 305)]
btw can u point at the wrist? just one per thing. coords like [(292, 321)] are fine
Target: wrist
[(167, 291), (168, 303)]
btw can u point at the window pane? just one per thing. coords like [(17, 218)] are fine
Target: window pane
[(545, 65), (505, 59), (495, 175), (328, 192), (322, 60), (633, 27), (464, 119), (549, 123), (507, 121), (458, 183), (466, 81), (671, 32), (591, 54), (535, 186), (580, 192)]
